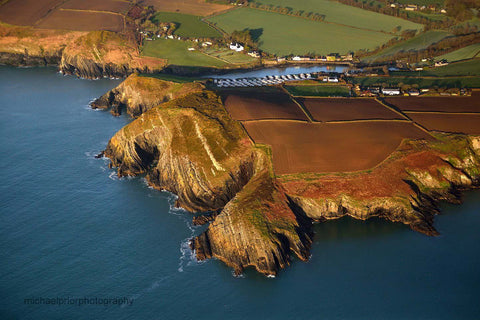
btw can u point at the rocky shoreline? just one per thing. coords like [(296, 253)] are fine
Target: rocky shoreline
[(190, 146)]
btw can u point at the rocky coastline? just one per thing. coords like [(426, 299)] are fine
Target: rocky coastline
[(190, 146)]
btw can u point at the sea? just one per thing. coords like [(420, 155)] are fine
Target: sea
[(77, 242)]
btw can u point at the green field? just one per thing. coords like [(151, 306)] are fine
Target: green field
[(419, 42), (230, 56), (189, 26), (337, 12), (176, 52), (463, 68), (465, 53), (284, 35), (450, 82), (422, 2), (318, 90)]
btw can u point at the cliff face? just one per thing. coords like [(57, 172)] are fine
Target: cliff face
[(185, 148), (259, 227), (406, 188), (138, 94), (191, 147), (91, 55)]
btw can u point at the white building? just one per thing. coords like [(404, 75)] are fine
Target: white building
[(391, 91), (236, 47)]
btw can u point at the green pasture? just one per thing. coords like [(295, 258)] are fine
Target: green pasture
[(318, 90), (336, 12), (421, 82), (465, 53), (189, 26), (284, 35), (230, 56), (176, 52), (419, 42), (462, 68)]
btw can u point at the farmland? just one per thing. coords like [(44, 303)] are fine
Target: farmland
[(189, 26), (261, 104), (283, 35), (338, 13), (324, 147), (462, 68), (465, 53), (421, 82), (452, 122), (419, 42), (437, 104), (318, 90), (176, 52), (82, 21), (341, 109), (196, 7), (78, 15), (32, 11), (104, 5), (422, 2)]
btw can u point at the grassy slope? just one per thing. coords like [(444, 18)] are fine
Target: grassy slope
[(283, 34), (421, 2), (319, 91), (176, 52), (343, 14), (468, 52), (419, 42), (451, 82), (463, 68), (189, 26)]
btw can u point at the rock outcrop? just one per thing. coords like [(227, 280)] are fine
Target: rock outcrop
[(188, 146), (191, 147), (90, 55), (406, 188), (138, 94), (259, 227)]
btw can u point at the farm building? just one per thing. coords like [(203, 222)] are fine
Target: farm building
[(236, 47), (391, 91)]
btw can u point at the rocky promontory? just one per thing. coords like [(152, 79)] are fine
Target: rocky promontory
[(90, 55), (190, 146), (138, 94)]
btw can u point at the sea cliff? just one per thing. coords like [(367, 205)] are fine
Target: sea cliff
[(190, 146), (90, 55)]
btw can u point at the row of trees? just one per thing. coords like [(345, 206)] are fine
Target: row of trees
[(289, 11), (442, 47)]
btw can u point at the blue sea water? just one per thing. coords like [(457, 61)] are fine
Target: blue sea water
[(70, 229)]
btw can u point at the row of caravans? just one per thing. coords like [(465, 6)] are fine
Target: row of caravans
[(256, 82)]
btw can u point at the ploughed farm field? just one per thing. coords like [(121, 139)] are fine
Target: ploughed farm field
[(328, 135), (88, 15), (261, 104), (302, 147), (338, 109)]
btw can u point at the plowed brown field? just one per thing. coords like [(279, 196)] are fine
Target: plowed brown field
[(455, 123), (26, 12), (255, 105), (440, 104), (82, 21), (336, 109), (103, 5), (301, 147)]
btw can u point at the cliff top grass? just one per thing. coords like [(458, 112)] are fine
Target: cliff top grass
[(111, 47), (17, 39)]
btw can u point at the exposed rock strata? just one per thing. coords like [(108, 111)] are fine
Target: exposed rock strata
[(406, 188), (138, 94), (191, 147)]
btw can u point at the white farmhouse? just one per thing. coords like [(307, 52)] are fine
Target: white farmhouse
[(236, 47)]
